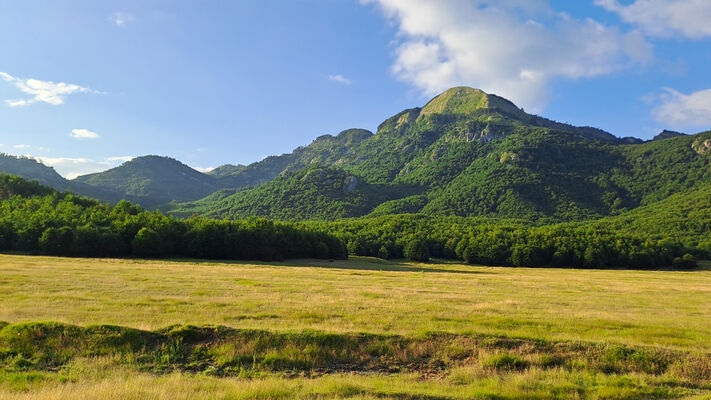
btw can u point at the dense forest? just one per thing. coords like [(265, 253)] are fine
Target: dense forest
[(469, 176), (510, 243), (466, 154), (37, 219), (34, 218)]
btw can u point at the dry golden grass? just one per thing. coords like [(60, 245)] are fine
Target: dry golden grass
[(661, 308)]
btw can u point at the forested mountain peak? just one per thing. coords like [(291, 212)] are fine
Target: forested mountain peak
[(30, 168), (666, 134), (474, 154), (33, 170), (348, 137), (465, 153), (153, 180), (478, 115), (146, 167), (466, 100)]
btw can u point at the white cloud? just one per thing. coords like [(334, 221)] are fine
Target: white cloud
[(121, 19), (679, 110), (22, 146), (665, 18), (120, 158), (83, 134), (203, 170), (70, 168), (41, 91), (512, 48), (340, 79)]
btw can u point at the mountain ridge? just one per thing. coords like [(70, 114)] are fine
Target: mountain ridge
[(154, 180), (465, 153), (473, 159)]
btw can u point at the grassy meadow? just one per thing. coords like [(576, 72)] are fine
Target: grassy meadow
[(362, 328)]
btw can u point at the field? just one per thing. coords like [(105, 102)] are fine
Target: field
[(363, 328)]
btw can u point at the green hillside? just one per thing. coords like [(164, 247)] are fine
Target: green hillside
[(315, 192), (31, 169), (153, 180), (684, 217), (34, 218), (465, 153), (325, 150), (38, 219), (468, 154)]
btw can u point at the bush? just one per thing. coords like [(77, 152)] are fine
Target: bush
[(549, 361), (687, 261), (505, 362), (147, 243)]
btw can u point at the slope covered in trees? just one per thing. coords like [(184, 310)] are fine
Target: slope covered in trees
[(465, 153), (34, 218), (32, 169), (324, 150), (473, 154), (153, 180), (315, 192)]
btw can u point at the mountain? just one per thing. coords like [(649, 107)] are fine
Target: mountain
[(464, 153), (30, 168), (325, 150), (475, 114), (467, 153), (315, 192), (225, 170), (33, 170), (153, 180), (666, 134)]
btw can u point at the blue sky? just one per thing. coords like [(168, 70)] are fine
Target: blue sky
[(85, 85)]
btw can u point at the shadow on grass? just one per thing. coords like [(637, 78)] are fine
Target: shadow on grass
[(354, 264)]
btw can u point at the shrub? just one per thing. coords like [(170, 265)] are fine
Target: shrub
[(549, 361), (505, 362), (687, 261), (147, 243)]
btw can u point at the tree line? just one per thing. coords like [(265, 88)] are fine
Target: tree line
[(507, 243), (40, 220)]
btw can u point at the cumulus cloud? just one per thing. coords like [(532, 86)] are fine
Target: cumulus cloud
[(70, 168), (679, 110), (121, 19), (203, 170), (83, 134), (512, 48), (41, 91), (340, 79), (665, 18)]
